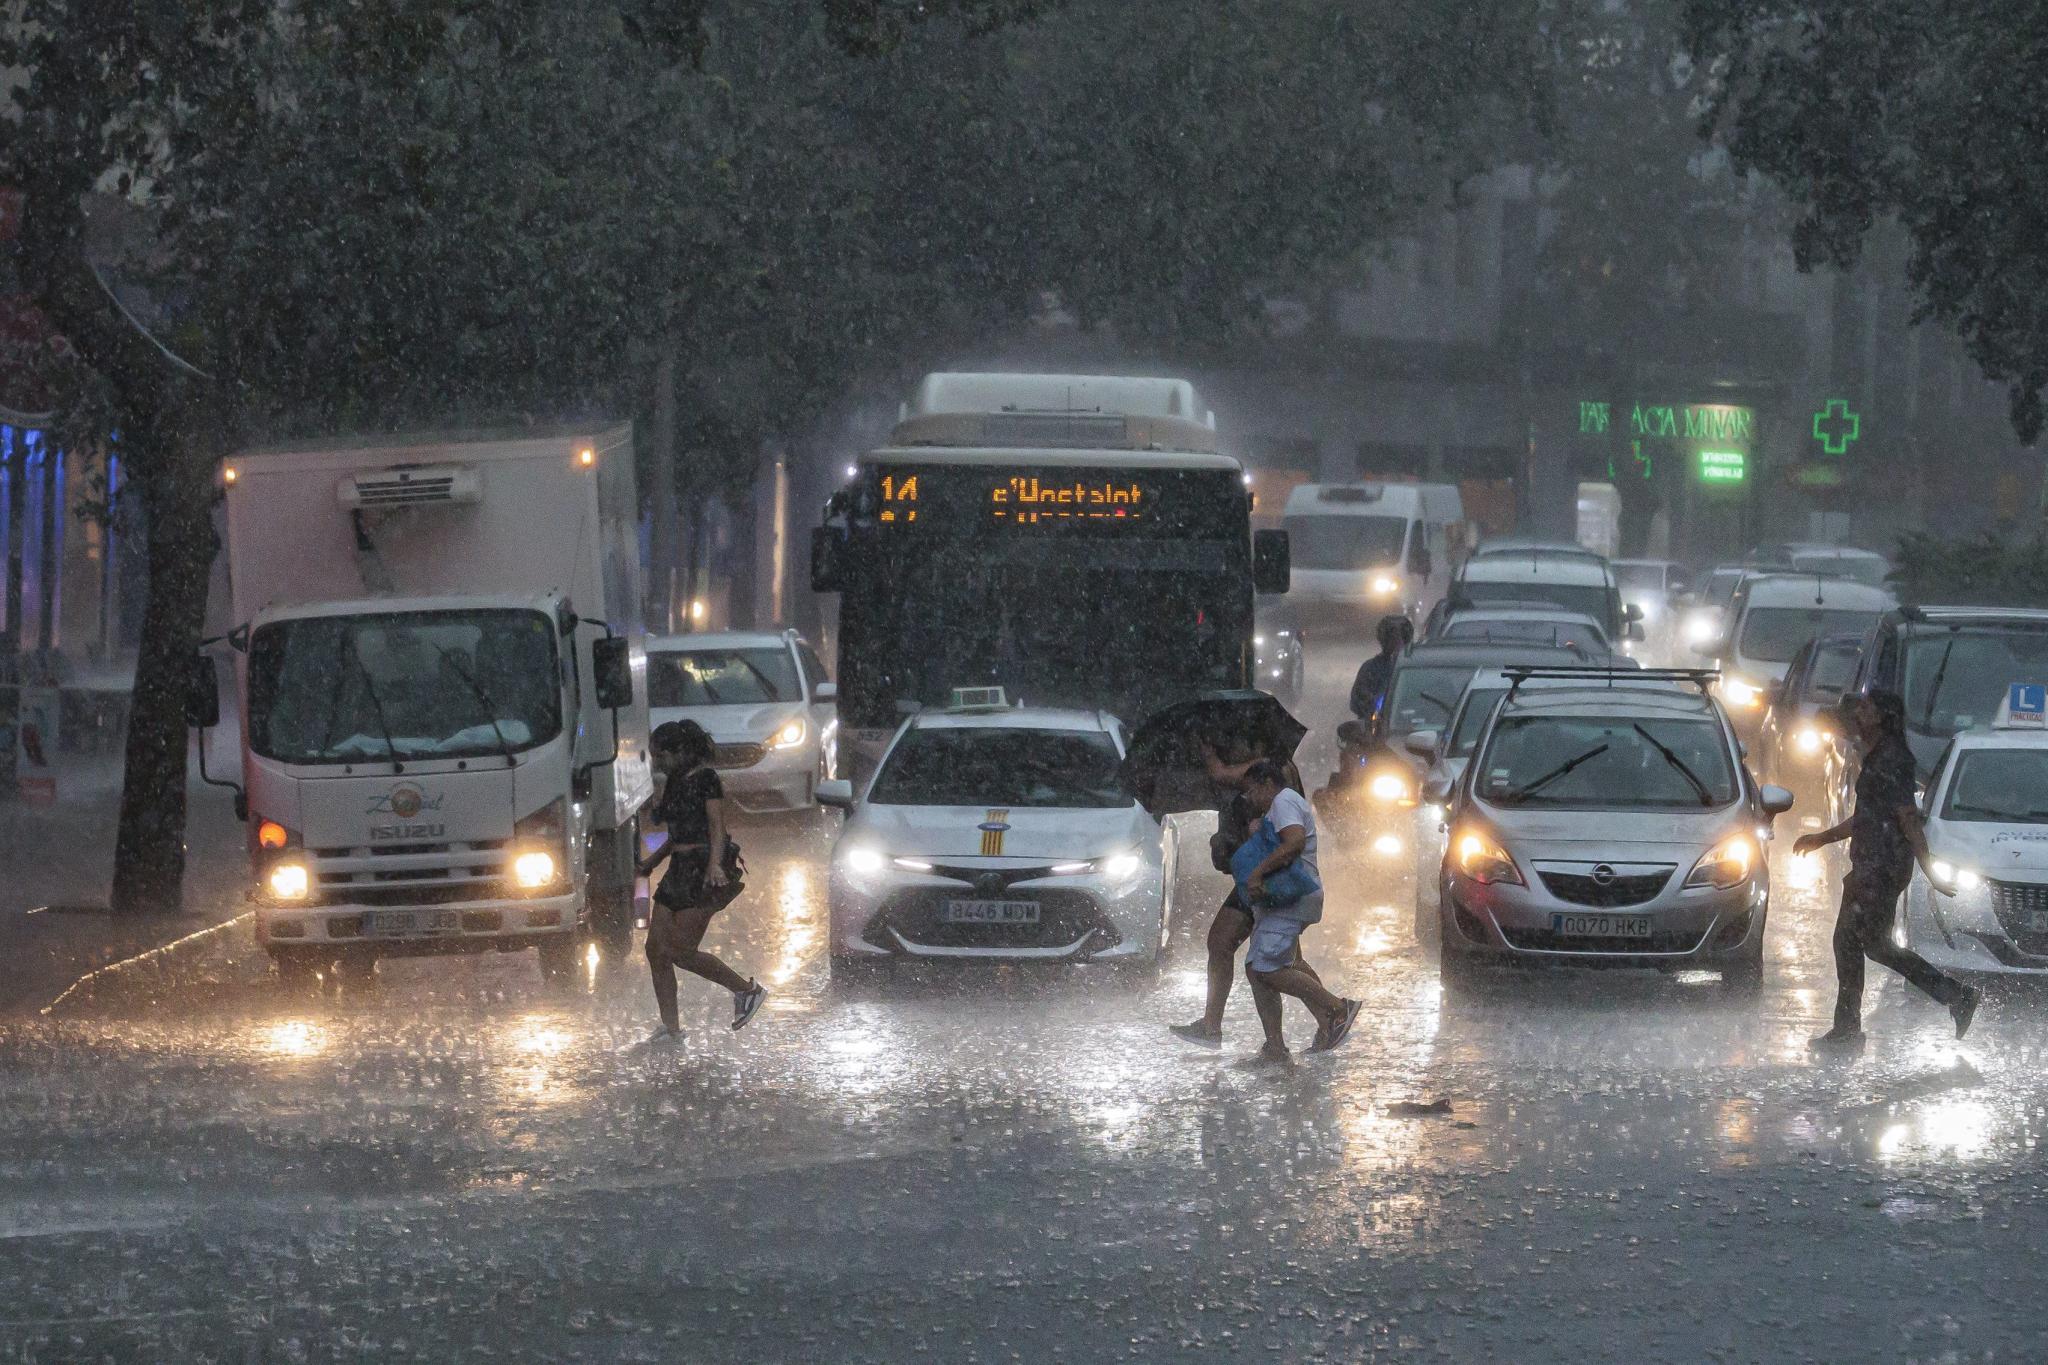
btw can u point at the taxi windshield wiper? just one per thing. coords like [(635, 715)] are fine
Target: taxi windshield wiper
[(1706, 797), (1529, 789)]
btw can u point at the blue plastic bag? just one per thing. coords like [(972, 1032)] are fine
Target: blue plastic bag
[(1283, 888)]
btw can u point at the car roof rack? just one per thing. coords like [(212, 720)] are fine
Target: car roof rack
[(1517, 674)]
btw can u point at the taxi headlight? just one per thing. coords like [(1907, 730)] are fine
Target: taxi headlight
[(1954, 877), (1116, 866), (1385, 585), (1727, 864), (1484, 861), (1389, 786), (790, 735), (533, 869), (289, 881), (861, 859), (1740, 694)]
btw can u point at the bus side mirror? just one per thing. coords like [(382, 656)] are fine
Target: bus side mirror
[(1272, 563), (828, 571), (612, 664), (202, 694)]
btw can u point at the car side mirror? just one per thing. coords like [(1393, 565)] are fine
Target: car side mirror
[(835, 793), (825, 692), (1631, 611), (1437, 791), (1422, 743), (1272, 562), (202, 694), (828, 560), (611, 662), (1776, 800), (1633, 631)]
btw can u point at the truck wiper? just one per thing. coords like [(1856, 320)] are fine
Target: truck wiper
[(1529, 789), (483, 698), (377, 705), (1934, 688), (1706, 798)]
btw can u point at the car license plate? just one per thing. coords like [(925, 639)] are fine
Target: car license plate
[(1601, 926), (400, 923), (991, 912)]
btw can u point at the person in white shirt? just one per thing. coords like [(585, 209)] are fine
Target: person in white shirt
[(1271, 965)]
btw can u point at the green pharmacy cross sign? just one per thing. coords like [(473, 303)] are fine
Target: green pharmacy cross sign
[(1834, 426)]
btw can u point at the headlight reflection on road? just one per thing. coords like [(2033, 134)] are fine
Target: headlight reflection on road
[(294, 1038), (796, 902)]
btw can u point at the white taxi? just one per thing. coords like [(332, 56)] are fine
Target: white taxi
[(997, 833), (1987, 829)]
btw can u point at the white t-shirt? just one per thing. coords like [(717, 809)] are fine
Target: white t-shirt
[(1290, 810)]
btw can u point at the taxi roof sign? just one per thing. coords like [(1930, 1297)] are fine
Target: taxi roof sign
[(979, 699), (2025, 708)]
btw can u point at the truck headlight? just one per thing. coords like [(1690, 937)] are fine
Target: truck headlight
[(289, 881), (533, 869), (790, 735)]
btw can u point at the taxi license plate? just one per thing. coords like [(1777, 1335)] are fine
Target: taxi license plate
[(991, 912), (400, 923), (1601, 926)]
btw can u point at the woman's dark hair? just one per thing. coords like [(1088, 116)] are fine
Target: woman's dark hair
[(685, 737), (1265, 773), (1891, 710)]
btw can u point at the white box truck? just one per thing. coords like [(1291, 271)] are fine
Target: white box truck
[(443, 694)]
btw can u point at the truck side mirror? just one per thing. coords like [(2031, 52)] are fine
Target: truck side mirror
[(611, 661), (202, 694), (1272, 562), (828, 570)]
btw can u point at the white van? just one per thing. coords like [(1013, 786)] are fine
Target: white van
[(1363, 550)]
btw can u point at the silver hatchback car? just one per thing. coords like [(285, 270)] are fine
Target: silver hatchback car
[(1608, 824)]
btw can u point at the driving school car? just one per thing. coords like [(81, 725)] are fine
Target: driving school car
[(1987, 829), (1610, 824), (997, 833)]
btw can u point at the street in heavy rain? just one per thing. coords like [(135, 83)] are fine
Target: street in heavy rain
[(458, 1160)]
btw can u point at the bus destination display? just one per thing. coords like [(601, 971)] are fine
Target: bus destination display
[(1002, 498)]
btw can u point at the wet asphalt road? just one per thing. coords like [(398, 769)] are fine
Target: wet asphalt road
[(458, 1162)]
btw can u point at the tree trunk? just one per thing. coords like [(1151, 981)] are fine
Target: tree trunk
[(176, 488), (661, 475)]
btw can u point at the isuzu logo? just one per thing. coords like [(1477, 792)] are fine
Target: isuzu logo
[(404, 801)]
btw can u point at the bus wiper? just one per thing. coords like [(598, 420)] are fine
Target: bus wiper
[(1706, 797), (1529, 789), (377, 705), (483, 699), (1934, 688)]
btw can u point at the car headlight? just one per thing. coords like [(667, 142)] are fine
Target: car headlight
[(1115, 866), (1741, 694), (1484, 861), (1954, 877), (1700, 628), (1390, 787), (289, 881), (1385, 585), (1727, 864), (1809, 740), (533, 869), (861, 858), (790, 735)]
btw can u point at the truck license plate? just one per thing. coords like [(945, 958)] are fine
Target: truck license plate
[(1601, 926), (991, 912), (401, 923)]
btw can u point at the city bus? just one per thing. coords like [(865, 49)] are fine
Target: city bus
[(1075, 540)]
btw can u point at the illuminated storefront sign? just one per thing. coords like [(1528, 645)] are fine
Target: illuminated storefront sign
[(1835, 426), (1723, 466), (1711, 439)]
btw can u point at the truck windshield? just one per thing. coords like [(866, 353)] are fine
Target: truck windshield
[(1345, 542), (403, 686)]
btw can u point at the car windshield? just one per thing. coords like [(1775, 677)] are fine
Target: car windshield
[(1610, 763), (1323, 541), (721, 677), (1587, 599), (1021, 768), (1774, 634), (1477, 706), (1577, 635), (403, 686), (1956, 679), (1856, 568), (1424, 695), (1721, 585), (1999, 786), (1833, 670), (1640, 577)]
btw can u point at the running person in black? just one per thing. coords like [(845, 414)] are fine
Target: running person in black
[(698, 883), (1885, 838)]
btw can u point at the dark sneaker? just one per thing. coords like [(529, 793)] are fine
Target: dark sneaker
[(1332, 1037), (1838, 1040), (745, 1003), (1197, 1033), (1965, 1009)]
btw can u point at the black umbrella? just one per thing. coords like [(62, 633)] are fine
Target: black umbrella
[(1164, 765)]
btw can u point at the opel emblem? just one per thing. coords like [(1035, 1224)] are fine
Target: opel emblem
[(406, 800), (1603, 875)]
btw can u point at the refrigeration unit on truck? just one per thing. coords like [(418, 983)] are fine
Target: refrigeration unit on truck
[(443, 694)]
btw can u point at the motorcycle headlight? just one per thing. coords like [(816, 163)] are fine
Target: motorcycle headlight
[(1809, 740), (1485, 861), (1390, 787), (790, 735), (1954, 877), (1728, 864)]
